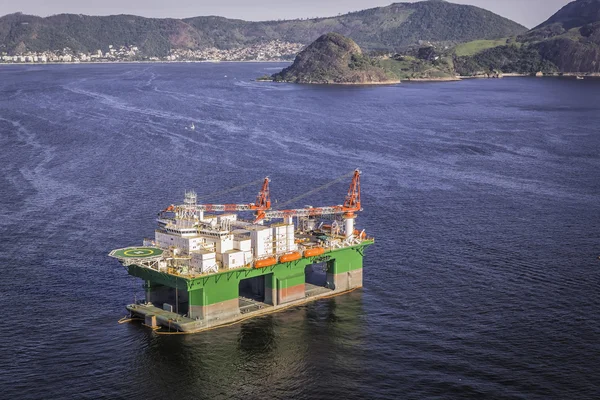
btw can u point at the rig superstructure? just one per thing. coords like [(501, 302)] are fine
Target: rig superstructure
[(203, 270)]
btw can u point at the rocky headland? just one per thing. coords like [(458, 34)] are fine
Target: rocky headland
[(335, 59)]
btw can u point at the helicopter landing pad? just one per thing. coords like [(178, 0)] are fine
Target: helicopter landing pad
[(137, 252)]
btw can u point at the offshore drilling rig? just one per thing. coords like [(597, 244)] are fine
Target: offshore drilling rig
[(206, 266)]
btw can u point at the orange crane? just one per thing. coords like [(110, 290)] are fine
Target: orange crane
[(262, 207), (351, 205), (263, 202)]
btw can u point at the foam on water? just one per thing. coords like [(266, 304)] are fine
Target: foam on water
[(482, 196)]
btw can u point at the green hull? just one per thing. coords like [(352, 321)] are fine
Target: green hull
[(214, 299)]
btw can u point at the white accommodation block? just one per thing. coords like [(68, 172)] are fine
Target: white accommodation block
[(203, 261), (262, 240), (234, 259)]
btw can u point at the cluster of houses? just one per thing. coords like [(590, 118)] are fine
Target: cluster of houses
[(274, 50), (67, 55)]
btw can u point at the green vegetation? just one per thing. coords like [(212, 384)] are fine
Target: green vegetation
[(570, 39), (390, 28), (505, 59), (575, 14), (333, 58), (408, 67), (476, 46), (568, 42), (557, 46), (87, 34), (360, 62)]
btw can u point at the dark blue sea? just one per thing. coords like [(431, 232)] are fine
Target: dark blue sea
[(483, 197)]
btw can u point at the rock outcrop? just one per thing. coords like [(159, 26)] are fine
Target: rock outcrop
[(334, 58)]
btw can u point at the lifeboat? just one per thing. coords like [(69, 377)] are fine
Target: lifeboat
[(265, 262), (315, 251), (290, 257)]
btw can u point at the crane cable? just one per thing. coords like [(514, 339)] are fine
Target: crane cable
[(233, 189), (311, 192), (281, 205)]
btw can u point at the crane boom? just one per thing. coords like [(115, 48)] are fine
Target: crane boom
[(263, 202), (262, 206), (304, 212), (352, 202), (351, 205)]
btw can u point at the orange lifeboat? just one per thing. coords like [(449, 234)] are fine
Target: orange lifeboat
[(315, 251), (265, 262), (290, 257)]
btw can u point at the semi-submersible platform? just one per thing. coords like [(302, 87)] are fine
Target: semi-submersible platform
[(202, 270)]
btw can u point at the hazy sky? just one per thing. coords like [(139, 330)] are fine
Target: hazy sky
[(526, 12)]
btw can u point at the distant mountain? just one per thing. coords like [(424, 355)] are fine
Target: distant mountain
[(568, 42), (575, 14), (570, 39), (394, 27), (334, 58)]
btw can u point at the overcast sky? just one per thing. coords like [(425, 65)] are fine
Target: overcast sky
[(527, 12)]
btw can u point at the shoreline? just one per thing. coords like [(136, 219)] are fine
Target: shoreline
[(446, 79), (139, 62), (394, 82), (585, 75)]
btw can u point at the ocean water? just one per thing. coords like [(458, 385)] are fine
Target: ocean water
[(483, 197)]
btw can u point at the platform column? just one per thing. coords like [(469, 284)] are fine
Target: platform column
[(346, 270), (291, 288), (270, 289), (215, 297), (330, 274), (196, 298)]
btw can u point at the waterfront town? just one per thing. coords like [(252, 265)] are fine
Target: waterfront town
[(274, 50)]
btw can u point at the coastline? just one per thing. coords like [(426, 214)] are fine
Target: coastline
[(592, 75), (390, 82), (446, 79), (144, 62)]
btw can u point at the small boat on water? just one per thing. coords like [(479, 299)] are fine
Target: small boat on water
[(580, 78), (192, 127)]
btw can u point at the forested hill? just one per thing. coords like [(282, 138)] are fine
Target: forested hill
[(575, 14), (568, 42), (570, 39), (333, 58), (394, 27)]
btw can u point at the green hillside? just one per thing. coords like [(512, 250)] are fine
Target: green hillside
[(477, 46), (391, 28), (334, 58), (568, 42)]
